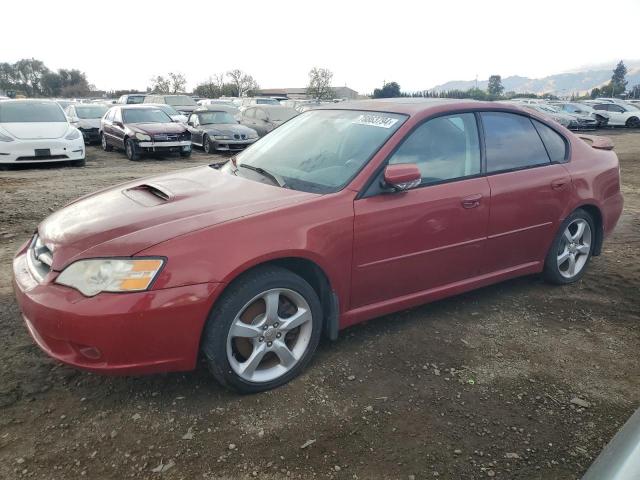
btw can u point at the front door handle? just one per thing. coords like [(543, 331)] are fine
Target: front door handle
[(559, 183), (472, 201)]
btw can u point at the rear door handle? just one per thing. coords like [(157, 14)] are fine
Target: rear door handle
[(559, 183), (472, 201)]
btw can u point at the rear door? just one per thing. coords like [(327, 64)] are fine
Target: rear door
[(530, 188), (117, 128), (430, 236)]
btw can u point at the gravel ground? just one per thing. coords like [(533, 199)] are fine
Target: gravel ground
[(521, 380)]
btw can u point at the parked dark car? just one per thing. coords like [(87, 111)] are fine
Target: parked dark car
[(86, 118), (219, 130), (265, 118), (140, 129)]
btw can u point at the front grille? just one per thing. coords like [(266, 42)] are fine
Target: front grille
[(42, 157), (39, 258), (166, 137)]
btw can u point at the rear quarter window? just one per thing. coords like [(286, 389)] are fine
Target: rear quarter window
[(555, 143), (511, 142)]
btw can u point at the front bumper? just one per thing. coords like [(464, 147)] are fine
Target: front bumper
[(232, 145), (175, 146), (24, 151), (121, 334)]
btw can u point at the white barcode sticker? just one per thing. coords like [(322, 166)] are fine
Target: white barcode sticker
[(375, 120)]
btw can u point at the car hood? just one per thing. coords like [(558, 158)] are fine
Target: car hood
[(36, 130), (228, 129), (128, 218), (153, 128), (89, 123)]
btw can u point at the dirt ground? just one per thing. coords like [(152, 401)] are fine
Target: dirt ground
[(473, 387)]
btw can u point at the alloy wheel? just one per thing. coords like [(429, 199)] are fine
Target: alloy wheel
[(574, 248), (269, 335)]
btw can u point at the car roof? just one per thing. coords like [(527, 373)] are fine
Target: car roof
[(267, 106), (414, 106)]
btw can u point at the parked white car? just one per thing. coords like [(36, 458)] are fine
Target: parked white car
[(620, 114), (86, 118), (35, 131)]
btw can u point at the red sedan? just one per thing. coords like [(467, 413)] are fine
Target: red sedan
[(339, 215)]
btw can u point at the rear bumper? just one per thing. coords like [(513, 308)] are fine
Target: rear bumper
[(120, 334), (24, 151)]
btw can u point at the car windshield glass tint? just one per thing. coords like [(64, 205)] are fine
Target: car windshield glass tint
[(145, 115), (91, 112), (267, 101), (180, 100), (168, 109), (320, 150), (29, 112), (215, 117)]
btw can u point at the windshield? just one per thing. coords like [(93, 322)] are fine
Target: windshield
[(320, 150), (281, 114), (267, 101), (168, 109), (179, 100), (91, 112), (145, 115), (31, 112), (215, 117)]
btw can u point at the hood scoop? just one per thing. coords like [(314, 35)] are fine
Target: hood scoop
[(148, 195)]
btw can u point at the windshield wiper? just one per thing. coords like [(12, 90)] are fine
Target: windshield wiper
[(277, 179)]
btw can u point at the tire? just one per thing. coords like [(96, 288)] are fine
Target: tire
[(78, 163), (105, 145), (131, 150), (244, 303), (571, 250), (633, 122), (206, 144)]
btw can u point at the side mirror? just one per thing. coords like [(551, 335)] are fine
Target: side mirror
[(402, 176), (118, 124)]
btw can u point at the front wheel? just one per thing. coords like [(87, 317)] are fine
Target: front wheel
[(131, 150), (263, 330), (633, 122), (571, 250), (206, 144)]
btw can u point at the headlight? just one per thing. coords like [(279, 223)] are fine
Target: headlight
[(222, 137), (91, 277), (73, 134), (5, 138), (143, 137)]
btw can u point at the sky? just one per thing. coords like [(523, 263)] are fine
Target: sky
[(419, 44)]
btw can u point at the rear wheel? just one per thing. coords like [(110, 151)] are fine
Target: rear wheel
[(571, 250), (131, 150), (103, 141), (263, 330), (633, 122)]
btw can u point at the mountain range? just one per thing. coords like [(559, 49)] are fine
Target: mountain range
[(561, 84)]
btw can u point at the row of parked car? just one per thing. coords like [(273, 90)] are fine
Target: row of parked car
[(57, 130), (588, 114)]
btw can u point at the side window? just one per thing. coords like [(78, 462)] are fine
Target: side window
[(117, 117), (194, 120), (600, 107), (511, 142), (616, 108), (260, 115), (250, 112), (109, 115), (443, 148), (553, 142)]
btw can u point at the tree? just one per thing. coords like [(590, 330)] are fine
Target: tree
[(178, 82), (388, 90), (495, 85), (160, 84), (320, 84), (618, 82), (212, 87), (244, 84), (28, 72)]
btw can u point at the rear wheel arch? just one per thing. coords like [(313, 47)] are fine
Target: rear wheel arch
[(596, 216)]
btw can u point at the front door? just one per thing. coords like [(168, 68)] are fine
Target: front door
[(433, 235)]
